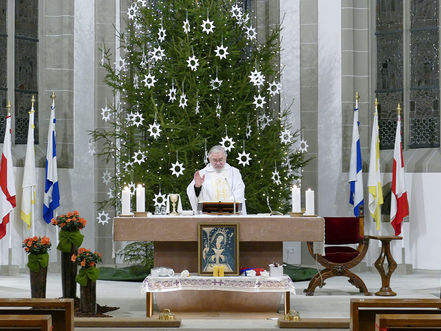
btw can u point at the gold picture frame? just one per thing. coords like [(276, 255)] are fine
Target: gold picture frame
[(218, 245)]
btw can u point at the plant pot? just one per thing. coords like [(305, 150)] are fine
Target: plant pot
[(68, 274), (38, 283), (88, 297)]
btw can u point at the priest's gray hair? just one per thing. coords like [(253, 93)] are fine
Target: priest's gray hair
[(217, 149)]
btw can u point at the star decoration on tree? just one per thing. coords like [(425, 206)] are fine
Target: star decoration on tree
[(251, 33), (172, 94), (264, 121), (149, 80), (110, 193), (215, 83), (221, 52), (276, 177), (106, 177), (193, 63), (274, 88), (132, 11), (161, 34), (143, 3), (259, 101), (244, 158), (236, 11), (139, 157), (128, 165), (285, 136), (227, 143), (160, 200), (177, 169), (207, 26), (303, 146), (103, 218), (106, 114), (183, 101), (154, 130), (131, 188), (186, 26), (158, 53), (243, 20), (137, 119), (256, 78)]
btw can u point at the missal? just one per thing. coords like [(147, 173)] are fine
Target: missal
[(219, 207)]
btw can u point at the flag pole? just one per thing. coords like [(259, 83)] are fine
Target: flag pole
[(403, 227), (32, 191), (8, 106), (55, 214)]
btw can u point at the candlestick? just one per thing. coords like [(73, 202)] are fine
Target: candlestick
[(295, 197), (309, 199), (125, 201), (140, 198)]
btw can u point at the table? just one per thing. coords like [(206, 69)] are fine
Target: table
[(213, 286), (261, 236), (379, 264)]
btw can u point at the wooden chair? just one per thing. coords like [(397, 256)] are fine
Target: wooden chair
[(340, 258), (363, 311)]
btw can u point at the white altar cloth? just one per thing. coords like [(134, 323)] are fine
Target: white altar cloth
[(229, 283)]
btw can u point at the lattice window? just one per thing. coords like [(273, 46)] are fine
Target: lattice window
[(424, 117), (26, 75), (389, 37)]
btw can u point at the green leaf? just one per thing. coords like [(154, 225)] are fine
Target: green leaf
[(87, 273), (37, 261), (69, 238)]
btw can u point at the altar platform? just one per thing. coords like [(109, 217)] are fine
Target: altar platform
[(261, 237)]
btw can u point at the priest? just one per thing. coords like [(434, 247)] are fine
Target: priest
[(218, 181)]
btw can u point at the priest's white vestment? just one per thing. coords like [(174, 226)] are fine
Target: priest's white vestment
[(219, 185)]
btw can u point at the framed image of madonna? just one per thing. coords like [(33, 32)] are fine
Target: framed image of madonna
[(218, 245)]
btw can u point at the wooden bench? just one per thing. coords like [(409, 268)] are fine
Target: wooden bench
[(404, 321), (61, 310), (42, 322), (363, 311), (116, 322)]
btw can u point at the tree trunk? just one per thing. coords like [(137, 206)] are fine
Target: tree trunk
[(68, 274), (38, 283), (88, 297)]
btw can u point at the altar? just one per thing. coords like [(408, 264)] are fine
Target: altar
[(261, 237)]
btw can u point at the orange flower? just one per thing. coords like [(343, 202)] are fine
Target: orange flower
[(92, 264), (35, 238), (69, 214), (68, 220), (73, 258), (81, 250), (76, 212), (29, 243), (54, 221), (83, 263), (27, 249), (45, 241), (99, 254)]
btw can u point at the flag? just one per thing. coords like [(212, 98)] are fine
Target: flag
[(399, 207), (374, 178), (29, 175), (355, 172), (7, 180), (51, 189)]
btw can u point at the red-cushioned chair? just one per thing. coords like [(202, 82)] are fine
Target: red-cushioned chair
[(339, 258)]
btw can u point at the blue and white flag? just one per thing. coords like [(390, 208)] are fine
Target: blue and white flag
[(355, 167), (51, 190)]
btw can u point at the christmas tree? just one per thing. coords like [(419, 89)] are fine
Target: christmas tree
[(192, 75)]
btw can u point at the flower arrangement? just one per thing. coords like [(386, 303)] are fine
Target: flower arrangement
[(87, 260), (37, 248), (70, 236), (70, 221)]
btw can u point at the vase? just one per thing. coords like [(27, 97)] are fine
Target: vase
[(68, 274), (38, 283), (88, 297)]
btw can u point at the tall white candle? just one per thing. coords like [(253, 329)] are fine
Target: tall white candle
[(309, 202), (140, 198), (125, 201), (295, 193)]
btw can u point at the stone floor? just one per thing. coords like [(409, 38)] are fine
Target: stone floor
[(331, 301)]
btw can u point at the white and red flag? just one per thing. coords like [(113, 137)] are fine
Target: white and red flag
[(399, 207), (7, 180)]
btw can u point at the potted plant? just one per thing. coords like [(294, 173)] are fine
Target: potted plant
[(38, 260), (87, 277), (70, 239)]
